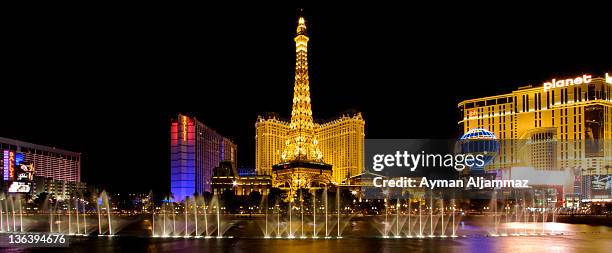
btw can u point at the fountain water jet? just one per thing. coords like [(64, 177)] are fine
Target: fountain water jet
[(84, 221), (1, 218), (443, 234), (153, 223), (20, 216), (164, 218), (453, 204), (104, 202), (195, 215), (13, 213), (338, 210), (266, 235), (8, 223), (386, 228), (552, 229), (314, 214), (431, 233), (278, 234), (77, 216), (59, 219), (409, 215), (173, 220), (302, 212), (420, 221), (397, 220), (494, 204), (108, 215), (218, 221), (290, 234), (544, 217), (326, 233), (69, 219), (206, 218), (516, 217), (535, 217), (525, 215), (185, 209), (507, 214), (50, 218)]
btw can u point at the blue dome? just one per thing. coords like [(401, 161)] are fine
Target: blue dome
[(478, 133), (479, 142)]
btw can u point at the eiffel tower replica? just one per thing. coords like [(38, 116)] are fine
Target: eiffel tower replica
[(302, 163)]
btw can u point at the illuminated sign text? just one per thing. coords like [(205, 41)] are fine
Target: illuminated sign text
[(11, 165), (6, 165), (567, 82), (184, 128)]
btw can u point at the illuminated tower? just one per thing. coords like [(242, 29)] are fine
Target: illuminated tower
[(338, 142), (301, 160), (195, 150), (301, 141)]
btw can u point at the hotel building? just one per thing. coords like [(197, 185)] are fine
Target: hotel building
[(563, 127), (227, 177), (48, 162), (339, 142), (58, 188), (195, 150)]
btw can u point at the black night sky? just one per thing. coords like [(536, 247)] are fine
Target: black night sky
[(106, 83)]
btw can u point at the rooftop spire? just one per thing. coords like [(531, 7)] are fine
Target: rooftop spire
[(301, 29)]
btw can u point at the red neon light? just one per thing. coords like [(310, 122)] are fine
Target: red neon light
[(174, 134), (472, 113)]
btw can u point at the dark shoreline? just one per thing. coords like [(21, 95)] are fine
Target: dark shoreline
[(600, 220)]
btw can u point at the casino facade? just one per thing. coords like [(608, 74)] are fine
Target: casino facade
[(32, 168), (560, 130)]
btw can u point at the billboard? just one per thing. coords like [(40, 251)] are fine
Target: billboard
[(17, 171), (20, 187), (597, 187), (25, 172), (8, 165)]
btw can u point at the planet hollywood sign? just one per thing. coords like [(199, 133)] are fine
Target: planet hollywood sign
[(554, 83), (584, 79)]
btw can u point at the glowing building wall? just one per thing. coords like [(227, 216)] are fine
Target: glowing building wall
[(49, 162), (195, 150), (561, 125), (341, 141), (270, 137)]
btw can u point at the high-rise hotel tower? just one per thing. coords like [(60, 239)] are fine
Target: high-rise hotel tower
[(49, 162), (565, 124), (195, 150), (338, 142)]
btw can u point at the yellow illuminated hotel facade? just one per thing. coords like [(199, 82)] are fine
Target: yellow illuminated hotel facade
[(563, 124), (340, 141)]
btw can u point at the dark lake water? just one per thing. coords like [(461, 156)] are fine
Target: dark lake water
[(361, 235)]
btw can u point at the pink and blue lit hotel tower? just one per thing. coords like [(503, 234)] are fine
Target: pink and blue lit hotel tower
[(195, 150)]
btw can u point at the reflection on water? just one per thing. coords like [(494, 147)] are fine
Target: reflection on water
[(575, 238)]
